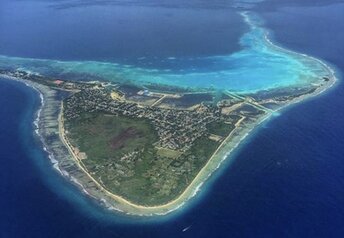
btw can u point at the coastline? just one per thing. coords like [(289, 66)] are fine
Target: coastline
[(48, 122), (223, 152), (47, 126)]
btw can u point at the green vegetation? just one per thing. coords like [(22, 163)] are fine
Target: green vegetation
[(103, 136), (118, 150), (220, 128), (121, 156), (165, 152), (148, 155), (194, 159)]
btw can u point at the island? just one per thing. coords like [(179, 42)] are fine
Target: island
[(147, 150), (143, 140)]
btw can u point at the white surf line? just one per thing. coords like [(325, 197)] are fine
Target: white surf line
[(247, 19)]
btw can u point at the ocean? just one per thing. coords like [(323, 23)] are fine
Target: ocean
[(285, 180)]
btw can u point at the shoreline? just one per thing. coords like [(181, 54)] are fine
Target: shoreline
[(117, 203), (49, 123), (138, 210), (222, 153)]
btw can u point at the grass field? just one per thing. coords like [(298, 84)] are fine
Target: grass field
[(164, 152), (220, 128), (122, 157), (103, 136)]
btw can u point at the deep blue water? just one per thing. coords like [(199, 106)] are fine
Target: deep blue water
[(74, 30), (287, 180)]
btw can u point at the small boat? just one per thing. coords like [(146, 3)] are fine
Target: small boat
[(186, 228)]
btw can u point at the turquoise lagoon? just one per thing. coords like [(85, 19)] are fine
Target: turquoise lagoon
[(259, 65)]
